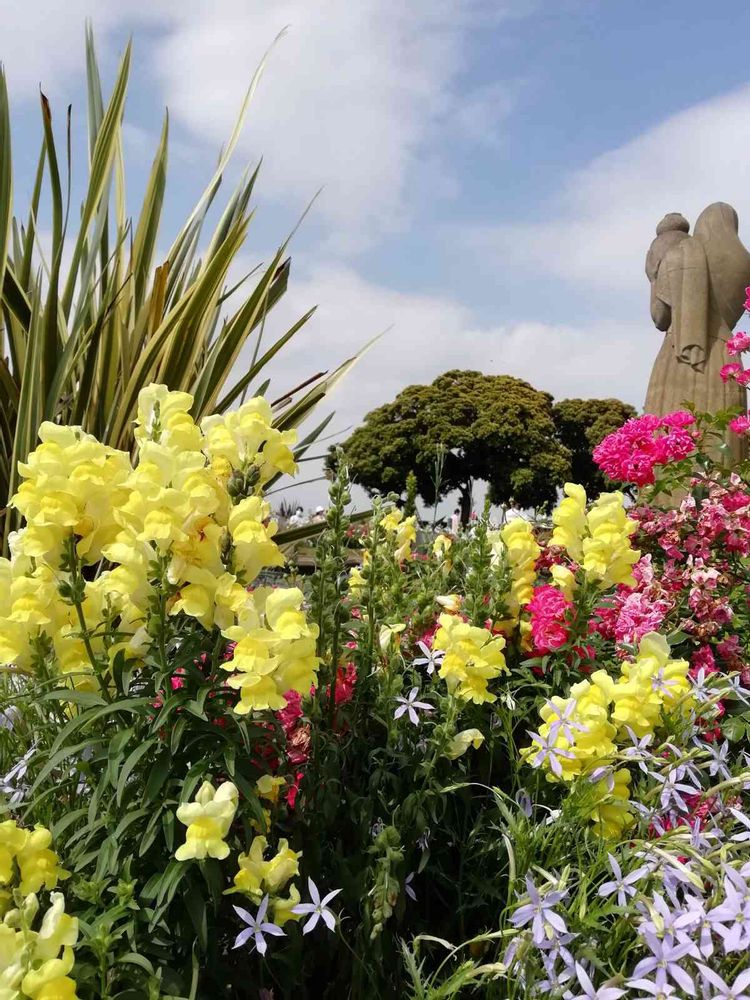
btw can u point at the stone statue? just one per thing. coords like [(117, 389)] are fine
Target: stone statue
[(697, 296)]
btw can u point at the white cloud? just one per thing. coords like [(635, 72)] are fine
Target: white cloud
[(355, 98), (431, 334), (351, 98), (597, 230)]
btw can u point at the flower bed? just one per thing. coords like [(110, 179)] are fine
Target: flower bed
[(505, 766)]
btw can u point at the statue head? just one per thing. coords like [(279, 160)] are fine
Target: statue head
[(673, 222), (672, 229)]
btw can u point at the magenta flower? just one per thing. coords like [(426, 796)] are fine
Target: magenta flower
[(730, 371), (741, 424), (738, 342)]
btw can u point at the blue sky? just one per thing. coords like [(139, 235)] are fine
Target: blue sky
[(492, 171)]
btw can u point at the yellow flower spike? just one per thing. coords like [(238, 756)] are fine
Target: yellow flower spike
[(569, 519), (281, 868), (473, 656), (390, 634), (12, 840), (283, 614), (357, 582), (208, 820), (516, 545), (51, 980), (442, 546), (451, 602), (282, 908), (58, 929), (612, 815), (564, 579), (256, 876), (462, 741), (269, 787), (38, 865), (252, 538), (252, 870), (403, 532)]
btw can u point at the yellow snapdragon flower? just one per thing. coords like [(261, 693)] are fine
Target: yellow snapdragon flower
[(12, 840), (71, 484), (608, 557), (208, 820), (651, 684), (515, 544), (246, 439), (569, 519), (403, 533), (275, 651), (51, 981), (269, 787), (257, 876), (473, 656), (252, 538), (462, 741), (39, 867), (612, 815)]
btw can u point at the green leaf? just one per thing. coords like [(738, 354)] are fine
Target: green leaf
[(129, 765), (157, 776)]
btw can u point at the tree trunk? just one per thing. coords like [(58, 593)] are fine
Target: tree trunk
[(465, 499)]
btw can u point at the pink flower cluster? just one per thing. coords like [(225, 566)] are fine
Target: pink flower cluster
[(741, 424), (548, 609), (631, 453), (734, 372), (738, 342)]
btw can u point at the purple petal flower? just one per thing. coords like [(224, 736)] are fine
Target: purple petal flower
[(257, 927), (317, 908)]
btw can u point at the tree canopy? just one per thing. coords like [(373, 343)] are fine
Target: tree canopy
[(581, 425), (468, 426)]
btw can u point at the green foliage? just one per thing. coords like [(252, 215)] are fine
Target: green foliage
[(581, 425), (494, 428), (87, 323)]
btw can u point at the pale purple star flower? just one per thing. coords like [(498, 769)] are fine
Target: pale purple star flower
[(408, 888), (317, 908), (623, 886), (539, 912), (639, 752), (590, 992), (671, 922), (665, 961), (701, 929), (604, 773), (718, 763), (564, 723), (549, 752), (412, 706), (702, 691), (557, 979), (257, 927), (671, 789), (739, 990), (743, 820), (556, 949), (431, 659), (731, 918), (735, 686), (653, 990)]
